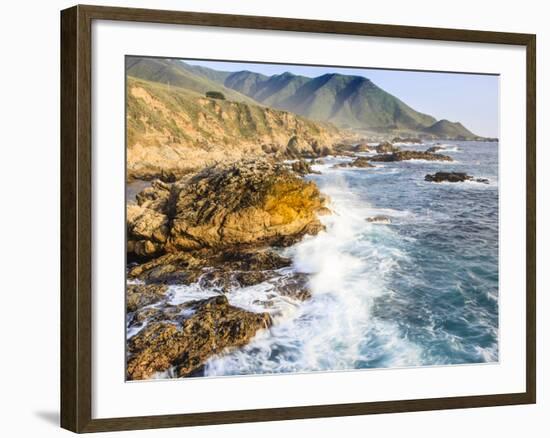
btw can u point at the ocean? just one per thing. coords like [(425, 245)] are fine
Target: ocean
[(421, 290)]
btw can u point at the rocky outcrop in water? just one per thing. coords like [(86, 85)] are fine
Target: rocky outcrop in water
[(243, 203), (302, 168), (184, 347), (386, 148), (250, 202), (434, 149), (363, 147), (141, 295), (216, 269), (215, 228), (410, 155), (406, 140), (360, 162), (453, 177)]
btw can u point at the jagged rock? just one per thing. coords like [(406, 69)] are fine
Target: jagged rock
[(249, 202), (410, 155), (302, 168), (215, 326), (147, 230), (344, 149), (295, 287), (358, 162), (453, 177), (140, 295), (363, 147), (386, 148), (434, 149), (223, 270)]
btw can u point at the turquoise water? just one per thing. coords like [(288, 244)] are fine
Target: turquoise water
[(420, 291)]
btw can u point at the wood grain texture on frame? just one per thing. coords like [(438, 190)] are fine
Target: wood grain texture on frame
[(76, 213)]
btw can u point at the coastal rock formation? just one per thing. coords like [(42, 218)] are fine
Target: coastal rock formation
[(407, 140), (302, 167), (147, 230), (245, 203), (222, 270), (140, 295), (249, 202), (386, 148), (453, 177), (343, 149), (410, 155), (148, 222), (214, 326), (361, 162), (363, 147), (434, 149), (172, 132)]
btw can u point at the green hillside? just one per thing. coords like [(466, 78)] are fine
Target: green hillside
[(172, 130), (446, 129), (172, 72), (348, 101), (343, 100)]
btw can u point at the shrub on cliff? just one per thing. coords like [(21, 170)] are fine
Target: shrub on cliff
[(215, 95)]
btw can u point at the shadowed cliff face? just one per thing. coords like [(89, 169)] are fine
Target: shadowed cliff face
[(172, 131)]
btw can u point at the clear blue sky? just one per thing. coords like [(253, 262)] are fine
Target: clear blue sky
[(471, 99)]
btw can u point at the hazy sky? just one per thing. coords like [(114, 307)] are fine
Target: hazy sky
[(471, 99)]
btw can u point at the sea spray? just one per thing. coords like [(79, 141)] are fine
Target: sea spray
[(334, 330)]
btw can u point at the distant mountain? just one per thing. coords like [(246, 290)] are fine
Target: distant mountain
[(346, 101), (450, 130)]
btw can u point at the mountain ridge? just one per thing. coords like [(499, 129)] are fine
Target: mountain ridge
[(347, 101)]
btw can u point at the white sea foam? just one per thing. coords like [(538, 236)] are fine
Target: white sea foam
[(335, 329)]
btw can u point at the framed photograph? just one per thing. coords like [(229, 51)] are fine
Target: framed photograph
[(269, 218)]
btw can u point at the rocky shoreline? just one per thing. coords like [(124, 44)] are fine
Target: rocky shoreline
[(220, 227), (223, 228)]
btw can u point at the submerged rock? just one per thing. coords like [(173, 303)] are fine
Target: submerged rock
[(379, 219), (410, 155), (214, 326), (453, 177)]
